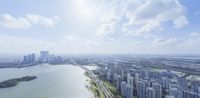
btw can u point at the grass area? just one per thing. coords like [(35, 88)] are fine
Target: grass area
[(94, 88), (113, 89)]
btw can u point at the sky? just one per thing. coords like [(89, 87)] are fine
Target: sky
[(100, 26)]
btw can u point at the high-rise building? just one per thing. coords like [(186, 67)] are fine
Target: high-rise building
[(129, 91), (118, 82), (123, 88), (130, 80), (166, 83), (141, 89), (189, 94), (108, 76), (25, 60), (182, 82), (115, 77), (155, 75), (158, 90), (33, 57), (122, 74), (52, 58), (150, 92), (136, 79), (199, 89), (194, 86), (29, 59), (44, 56), (176, 93)]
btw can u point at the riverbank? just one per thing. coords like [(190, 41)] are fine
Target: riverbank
[(112, 89), (94, 88)]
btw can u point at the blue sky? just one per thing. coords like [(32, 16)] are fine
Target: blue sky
[(100, 26)]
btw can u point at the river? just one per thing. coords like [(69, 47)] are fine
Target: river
[(53, 81)]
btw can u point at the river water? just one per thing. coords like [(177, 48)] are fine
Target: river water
[(53, 81)]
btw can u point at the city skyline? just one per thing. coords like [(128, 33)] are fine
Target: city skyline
[(100, 26)]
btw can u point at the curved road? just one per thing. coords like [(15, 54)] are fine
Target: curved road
[(99, 82)]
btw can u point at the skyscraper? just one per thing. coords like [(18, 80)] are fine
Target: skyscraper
[(44, 56), (29, 59), (115, 77), (118, 82), (33, 57), (136, 79), (129, 91), (158, 90), (108, 76), (175, 92), (165, 83), (25, 60), (150, 92), (189, 94), (123, 88), (130, 80), (141, 89)]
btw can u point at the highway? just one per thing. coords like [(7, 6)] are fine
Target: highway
[(190, 72), (99, 82)]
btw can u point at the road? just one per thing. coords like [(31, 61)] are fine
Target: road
[(99, 82), (190, 72)]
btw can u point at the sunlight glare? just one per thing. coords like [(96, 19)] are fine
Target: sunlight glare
[(84, 10)]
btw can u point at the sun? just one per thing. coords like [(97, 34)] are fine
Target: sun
[(84, 9)]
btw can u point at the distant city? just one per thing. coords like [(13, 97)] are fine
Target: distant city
[(131, 76), (45, 57), (30, 60)]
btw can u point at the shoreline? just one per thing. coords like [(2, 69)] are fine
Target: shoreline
[(93, 87)]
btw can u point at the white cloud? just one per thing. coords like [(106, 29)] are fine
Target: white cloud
[(180, 22), (121, 19), (107, 25), (111, 13), (41, 20), (73, 40), (193, 40), (195, 35), (152, 14), (143, 16), (164, 42), (8, 21)]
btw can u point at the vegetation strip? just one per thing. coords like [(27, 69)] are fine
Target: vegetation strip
[(94, 87)]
